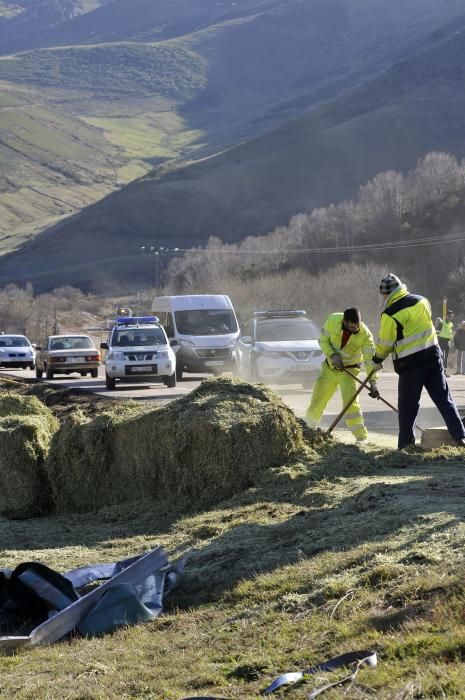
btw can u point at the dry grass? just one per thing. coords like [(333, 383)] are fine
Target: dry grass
[(335, 549), (26, 430)]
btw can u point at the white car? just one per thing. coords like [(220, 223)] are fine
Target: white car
[(279, 347), (16, 351), (138, 348)]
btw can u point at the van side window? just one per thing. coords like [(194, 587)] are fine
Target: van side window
[(169, 325)]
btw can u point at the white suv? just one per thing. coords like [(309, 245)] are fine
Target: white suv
[(279, 347), (138, 347)]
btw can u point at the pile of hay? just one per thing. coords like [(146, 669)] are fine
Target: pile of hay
[(26, 430), (191, 453)]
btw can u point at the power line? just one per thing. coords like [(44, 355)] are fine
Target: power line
[(414, 243)]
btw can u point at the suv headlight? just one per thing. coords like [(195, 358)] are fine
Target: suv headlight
[(115, 355), (162, 355), (186, 342)]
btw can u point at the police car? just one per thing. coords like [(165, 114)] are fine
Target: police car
[(279, 347), (138, 348)]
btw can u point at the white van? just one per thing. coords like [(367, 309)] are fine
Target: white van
[(206, 328)]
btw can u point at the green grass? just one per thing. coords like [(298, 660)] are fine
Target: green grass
[(147, 135), (361, 550)]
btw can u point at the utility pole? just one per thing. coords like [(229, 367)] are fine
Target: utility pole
[(157, 252)]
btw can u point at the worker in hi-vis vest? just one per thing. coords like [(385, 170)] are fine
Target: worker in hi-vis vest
[(407, 331), (445, 333), (346, 342)]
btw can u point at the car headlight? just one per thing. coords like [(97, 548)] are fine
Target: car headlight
[(163, 354), (115, 355), (186, 342)]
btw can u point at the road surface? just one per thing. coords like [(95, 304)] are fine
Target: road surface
[(380, 420)]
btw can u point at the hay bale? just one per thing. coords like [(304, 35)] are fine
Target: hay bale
[(191, 453), (26, 430)]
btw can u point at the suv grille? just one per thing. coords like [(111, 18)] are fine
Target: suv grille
[(305, 355), (139, 356), (213, 352)]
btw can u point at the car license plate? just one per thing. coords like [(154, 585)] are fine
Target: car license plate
[(141, 369), (214, 363), (75, 359)]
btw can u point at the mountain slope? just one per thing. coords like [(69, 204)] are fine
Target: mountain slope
[(52, 164), (415, 107)]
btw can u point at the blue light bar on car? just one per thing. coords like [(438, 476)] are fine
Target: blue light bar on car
[(277, 313), (136, 320)]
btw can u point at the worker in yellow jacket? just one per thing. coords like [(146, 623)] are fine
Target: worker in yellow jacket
[(407, 331), (346, 342)]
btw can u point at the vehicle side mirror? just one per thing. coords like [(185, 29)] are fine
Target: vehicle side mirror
[(247, 339), (34, 345), (104, 346), (174, 342)]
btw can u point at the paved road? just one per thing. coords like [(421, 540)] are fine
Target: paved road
[(381, 420)]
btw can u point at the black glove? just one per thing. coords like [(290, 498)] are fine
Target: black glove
[(374, 391), (336, 360)]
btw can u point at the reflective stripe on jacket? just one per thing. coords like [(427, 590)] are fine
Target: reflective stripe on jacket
[(406, 326), (446, 329), (359, 348)]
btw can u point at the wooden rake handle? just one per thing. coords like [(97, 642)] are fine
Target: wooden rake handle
[(352, 399), (380, 398)]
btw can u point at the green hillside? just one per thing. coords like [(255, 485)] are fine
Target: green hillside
[(153, 81), (77, 123), (52, 164), (167, 70), (414, 108)]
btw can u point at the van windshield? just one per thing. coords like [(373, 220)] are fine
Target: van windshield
[(205, 322)]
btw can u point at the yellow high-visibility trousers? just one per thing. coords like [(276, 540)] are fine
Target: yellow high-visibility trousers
[(328, 381)]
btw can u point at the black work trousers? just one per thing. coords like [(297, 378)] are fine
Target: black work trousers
[(444, 344), (431, 376)]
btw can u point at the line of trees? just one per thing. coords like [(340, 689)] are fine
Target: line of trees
[(61, 311), (428, 201)]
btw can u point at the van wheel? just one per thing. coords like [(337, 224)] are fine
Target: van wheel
[(94, 373), (39, 373), (110, 382), (48, 372), (170, 381), (179, 374)]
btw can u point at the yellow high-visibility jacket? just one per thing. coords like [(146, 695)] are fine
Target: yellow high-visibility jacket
[(447, 328), (406, 327), (360, 346)]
